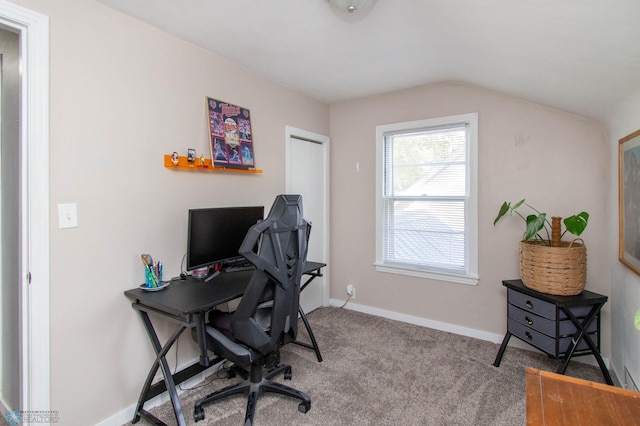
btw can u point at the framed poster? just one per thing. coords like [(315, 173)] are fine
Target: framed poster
[(230, 135), (629, 201)]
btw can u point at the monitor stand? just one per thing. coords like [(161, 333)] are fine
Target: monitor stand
[(212, 276)]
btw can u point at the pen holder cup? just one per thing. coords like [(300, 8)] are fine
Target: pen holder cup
[(153, 280)]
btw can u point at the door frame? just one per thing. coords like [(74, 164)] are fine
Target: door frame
[(34, 202), (294, 133)]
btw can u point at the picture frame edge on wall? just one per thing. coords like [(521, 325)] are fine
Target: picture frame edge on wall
[(629, 201)]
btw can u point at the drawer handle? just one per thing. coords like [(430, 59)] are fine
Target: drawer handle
[(528, 320), (528, 335), (529, 304)]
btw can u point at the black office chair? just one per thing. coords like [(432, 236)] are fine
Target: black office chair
[(247, 337)]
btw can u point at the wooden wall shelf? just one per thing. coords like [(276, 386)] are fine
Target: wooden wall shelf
[(184, 164)]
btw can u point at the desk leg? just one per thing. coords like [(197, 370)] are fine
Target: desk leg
[(583, 335), (314, 344), (202, 340), (160, 362), (503, 347)]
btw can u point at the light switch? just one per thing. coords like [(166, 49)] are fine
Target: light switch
[(67, 215)]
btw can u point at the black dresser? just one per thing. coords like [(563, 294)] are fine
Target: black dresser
[(560, 326)]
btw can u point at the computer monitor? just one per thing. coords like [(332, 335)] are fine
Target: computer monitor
[(215, 234)]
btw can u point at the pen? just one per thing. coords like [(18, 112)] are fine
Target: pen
[(152, 279)]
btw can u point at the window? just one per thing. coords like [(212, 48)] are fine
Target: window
[(426, 202)]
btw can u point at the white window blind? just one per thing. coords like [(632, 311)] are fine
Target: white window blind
[(427, 197)]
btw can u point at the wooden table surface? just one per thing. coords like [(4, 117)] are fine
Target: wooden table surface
[(554, 399)]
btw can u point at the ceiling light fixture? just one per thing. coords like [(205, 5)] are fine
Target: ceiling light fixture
[(351, 5)]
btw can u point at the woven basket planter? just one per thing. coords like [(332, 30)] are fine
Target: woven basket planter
[(560, 270)]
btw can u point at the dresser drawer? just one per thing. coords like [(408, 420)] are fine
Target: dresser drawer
[(542, 308), (543, 342), (547, 326)]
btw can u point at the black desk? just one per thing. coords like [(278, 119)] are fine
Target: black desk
[(561, 326), (186, 303)]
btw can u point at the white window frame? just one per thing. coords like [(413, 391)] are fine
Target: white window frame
[(471, 205)]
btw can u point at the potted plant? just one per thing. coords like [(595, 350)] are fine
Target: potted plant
[(547, 263), (575, 224)]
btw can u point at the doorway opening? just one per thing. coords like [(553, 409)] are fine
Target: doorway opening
[(26, 185)]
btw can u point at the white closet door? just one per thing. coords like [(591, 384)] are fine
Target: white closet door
[(307, 176)]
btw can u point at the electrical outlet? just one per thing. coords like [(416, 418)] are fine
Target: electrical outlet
[(351, 291)]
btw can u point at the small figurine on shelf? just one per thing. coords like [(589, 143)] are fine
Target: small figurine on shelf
[(174, 158), (202, 159)]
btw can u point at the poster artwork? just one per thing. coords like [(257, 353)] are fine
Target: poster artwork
[(230, 135), (629, 201)]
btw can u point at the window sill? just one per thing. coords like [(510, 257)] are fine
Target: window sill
[(440, 276)]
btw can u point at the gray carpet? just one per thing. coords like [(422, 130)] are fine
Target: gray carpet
[(382, 372)]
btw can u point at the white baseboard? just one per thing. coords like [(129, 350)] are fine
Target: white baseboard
[(452, 328), (436, 325), (126, 415)]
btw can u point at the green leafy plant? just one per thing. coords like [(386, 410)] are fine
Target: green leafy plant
[(538, 222)]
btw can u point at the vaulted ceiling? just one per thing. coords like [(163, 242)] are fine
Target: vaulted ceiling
[(582, 56)]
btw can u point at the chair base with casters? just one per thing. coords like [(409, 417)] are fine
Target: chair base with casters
[(255, 385), (257, 376)]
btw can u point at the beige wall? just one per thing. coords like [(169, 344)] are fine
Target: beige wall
[(122, 95), (625, 285), (558, 161)]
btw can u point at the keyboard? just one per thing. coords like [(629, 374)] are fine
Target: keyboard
[(239, 268)]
